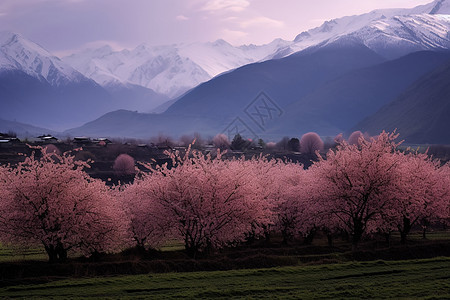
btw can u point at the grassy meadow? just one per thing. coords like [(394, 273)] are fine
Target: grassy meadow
[(309, 272), (426, 279)]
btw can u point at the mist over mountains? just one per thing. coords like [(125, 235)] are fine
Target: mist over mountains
[(373, 71)]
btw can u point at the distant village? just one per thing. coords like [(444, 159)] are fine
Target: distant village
[(102, 152)]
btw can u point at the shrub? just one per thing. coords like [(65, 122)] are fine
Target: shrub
[(124, 165), (310, 143)]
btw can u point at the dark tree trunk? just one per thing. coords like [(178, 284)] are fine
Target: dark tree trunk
[(387, 236), (405, 230), (357, 234), (191, 251), (56, 253), (251, 237), (286, 233), (330, 240), (425, 223), (424, 232), (286, 237), (309, 237), (209, 248), (140, 248), (51, 252), (267, 237)]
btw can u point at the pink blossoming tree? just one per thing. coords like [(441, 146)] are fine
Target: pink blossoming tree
[(221, 141), (310, 143), (51, 201), (355, 183), (208, 203), (124, 165), (421, 194)]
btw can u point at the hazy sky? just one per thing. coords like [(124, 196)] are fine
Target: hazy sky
[(65, 25)]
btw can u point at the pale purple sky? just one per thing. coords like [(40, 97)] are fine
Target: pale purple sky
[(65, 25)]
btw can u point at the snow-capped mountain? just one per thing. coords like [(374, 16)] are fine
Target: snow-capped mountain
[(36, 87), (400, 35), (170, 70), (18, 53), (389, 32), (173, 69)]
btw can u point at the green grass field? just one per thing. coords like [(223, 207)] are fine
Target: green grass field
[(8, 254), (427, 279)]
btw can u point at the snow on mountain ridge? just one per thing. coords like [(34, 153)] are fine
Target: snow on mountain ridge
[(170, 69), (400, 26), (173, 69), (18, 53), (404, 34)]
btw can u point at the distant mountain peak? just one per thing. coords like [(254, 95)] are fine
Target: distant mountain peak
[(221, 43), (389, 32), (7, 37), (302, 36), (327, 26), (170, 69), (19, 53)]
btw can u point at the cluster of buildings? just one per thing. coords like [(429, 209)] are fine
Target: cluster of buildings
[(8, 139)]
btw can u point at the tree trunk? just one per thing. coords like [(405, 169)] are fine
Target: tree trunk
[(51, 252), (140, 248), (424, 224), (387, 236), (286, 237), (309, 237), (191, 251), (62, 253), (191, 247), (209, 248), (424, 232), (266, 237), (251, 237), (405, 230), (56, 253), (286, 233), (357, 234), (330, 240)]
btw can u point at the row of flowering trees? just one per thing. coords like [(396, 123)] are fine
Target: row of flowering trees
[(209, 203)]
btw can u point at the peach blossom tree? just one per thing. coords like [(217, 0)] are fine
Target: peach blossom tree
[(310, 143), (221, 141), (421, 195), (51, 201), (356, 183), (148, 222), (124, 165), (208, 203)]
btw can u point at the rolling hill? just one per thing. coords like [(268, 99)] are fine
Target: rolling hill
[(421, 114)]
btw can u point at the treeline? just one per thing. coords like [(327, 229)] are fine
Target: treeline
[(364, 188)]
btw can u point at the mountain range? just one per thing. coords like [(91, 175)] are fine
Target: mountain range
[(174, 69), (37, 87), (347, 74), (169, 70)]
